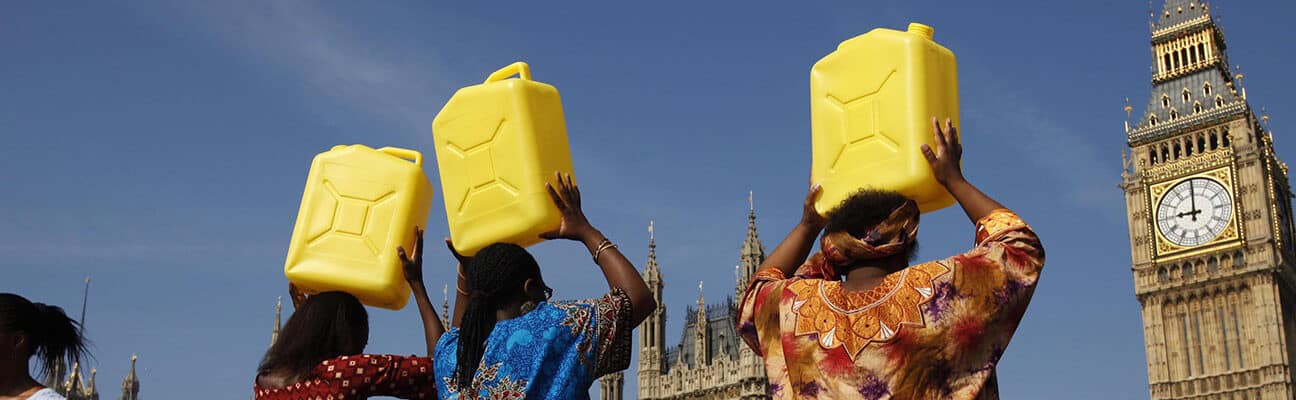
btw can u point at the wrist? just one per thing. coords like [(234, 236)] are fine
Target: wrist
[(591, 237)]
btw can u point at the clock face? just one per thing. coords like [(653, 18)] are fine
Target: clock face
[(1194, 212)]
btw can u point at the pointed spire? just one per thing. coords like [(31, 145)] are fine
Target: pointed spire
[(651, 267), (74, 385), (274, 334), (131, 385), (753, 252), (701, 354), (1239, 77), (701, 299), (445, 305), (90, 390)]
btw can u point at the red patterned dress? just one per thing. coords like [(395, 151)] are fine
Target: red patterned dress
[(358, 377), (930, 331)]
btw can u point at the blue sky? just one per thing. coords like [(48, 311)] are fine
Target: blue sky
[(161, 147)]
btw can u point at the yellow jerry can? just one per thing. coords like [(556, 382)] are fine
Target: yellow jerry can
[(871, 104), (497, 144), (359, 205)]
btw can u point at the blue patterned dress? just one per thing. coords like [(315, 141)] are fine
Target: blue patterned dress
[(555, 351)]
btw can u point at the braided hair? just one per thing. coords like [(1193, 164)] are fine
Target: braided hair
[(495, 276), (50, 333)]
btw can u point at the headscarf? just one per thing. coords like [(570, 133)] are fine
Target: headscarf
[(891, 236)]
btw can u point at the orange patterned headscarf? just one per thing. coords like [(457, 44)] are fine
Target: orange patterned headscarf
[(893, 235)]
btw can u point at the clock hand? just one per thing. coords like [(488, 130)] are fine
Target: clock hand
[(1192, 196)]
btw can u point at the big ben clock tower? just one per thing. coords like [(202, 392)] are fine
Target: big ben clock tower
[(1210, 224)]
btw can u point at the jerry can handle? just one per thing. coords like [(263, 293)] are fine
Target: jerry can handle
[(404, 153), (521, 69)]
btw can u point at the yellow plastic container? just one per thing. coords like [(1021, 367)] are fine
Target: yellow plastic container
[(871, 104), (359, 205), (497, 144)]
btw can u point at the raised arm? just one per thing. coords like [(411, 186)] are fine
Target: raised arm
[(461, 285), (944, 162), (413, 268), (794, 248), (618, 270)]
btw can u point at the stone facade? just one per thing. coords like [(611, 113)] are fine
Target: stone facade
[(711, 361)]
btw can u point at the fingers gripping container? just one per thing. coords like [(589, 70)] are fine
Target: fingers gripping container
[(497, 144), (871, 104), (359, 205)]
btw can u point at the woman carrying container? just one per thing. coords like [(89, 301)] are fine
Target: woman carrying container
[(508, 341), (29, 330), (319, 351), (856, 321)]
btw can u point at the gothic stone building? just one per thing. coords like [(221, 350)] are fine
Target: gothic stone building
[(711, 361), (1210, 222)]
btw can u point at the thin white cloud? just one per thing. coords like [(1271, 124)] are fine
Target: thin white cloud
[(1072, 164), (343, 62)]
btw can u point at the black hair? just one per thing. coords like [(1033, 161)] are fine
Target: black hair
[(325, 326), (51, 335), (495, 277), (864, 209)]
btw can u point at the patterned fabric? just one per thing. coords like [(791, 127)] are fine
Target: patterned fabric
[(930, 331), (555, 351), (359, 377), (889, 237)]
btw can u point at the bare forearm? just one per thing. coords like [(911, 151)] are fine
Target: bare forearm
[(975, 203), (432, 328), (621, 274), (793, 250)]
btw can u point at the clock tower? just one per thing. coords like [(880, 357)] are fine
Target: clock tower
[(1210, 223)]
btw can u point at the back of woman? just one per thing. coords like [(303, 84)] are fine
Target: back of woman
[(320, 352), (509, 341), (555, 351)]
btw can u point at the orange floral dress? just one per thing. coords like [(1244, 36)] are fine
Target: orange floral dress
[(930, 331)]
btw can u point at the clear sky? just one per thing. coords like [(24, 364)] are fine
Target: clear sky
[(161, 147)]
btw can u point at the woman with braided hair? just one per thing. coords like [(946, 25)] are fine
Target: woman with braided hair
[(27, 330), (508, 341), (857, 321)]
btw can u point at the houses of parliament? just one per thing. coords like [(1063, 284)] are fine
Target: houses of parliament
[(711, 361)]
